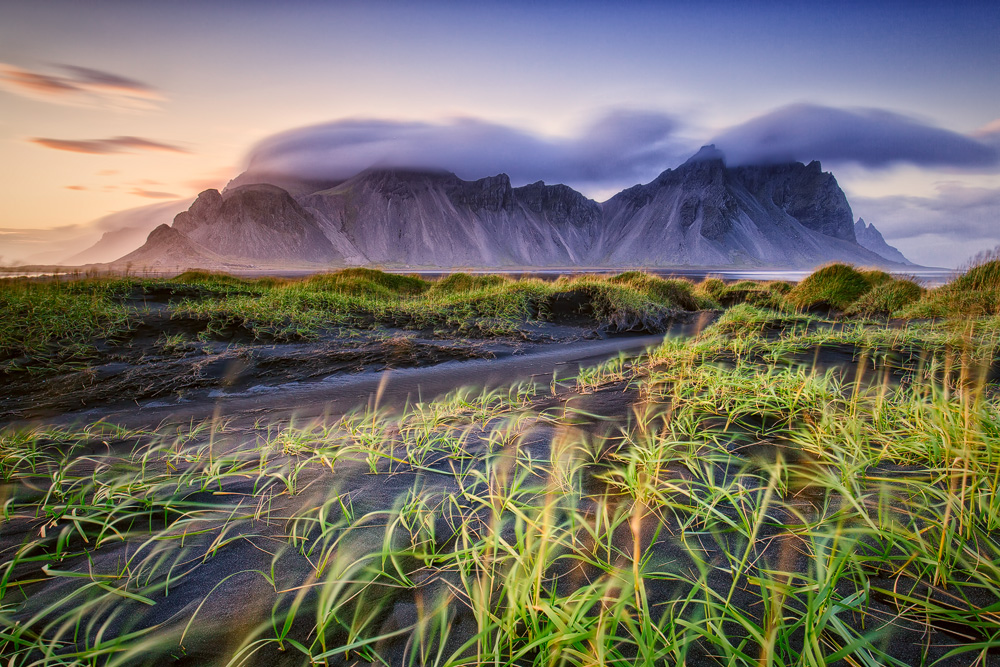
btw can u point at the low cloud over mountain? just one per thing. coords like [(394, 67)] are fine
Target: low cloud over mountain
[(873, 138), (620, 148)]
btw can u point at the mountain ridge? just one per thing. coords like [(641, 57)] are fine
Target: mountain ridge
[(702, 213), (870, 237)]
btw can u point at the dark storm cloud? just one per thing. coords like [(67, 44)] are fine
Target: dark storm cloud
[(107, 146), (873, 138), (619, 148)]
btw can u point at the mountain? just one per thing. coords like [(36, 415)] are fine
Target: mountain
[(258, 223), (169, 249), (437, 219), (703, 213), (871, 238), (126, 231)]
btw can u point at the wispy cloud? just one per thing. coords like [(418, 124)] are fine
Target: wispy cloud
[(107, 146), (72, 84), (873, 138), (153, 194)]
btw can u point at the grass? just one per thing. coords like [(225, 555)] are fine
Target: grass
[(888, 297), (975, 293), (834, 286), (788, 488), (55, 324), (747, 507), (54, 321)]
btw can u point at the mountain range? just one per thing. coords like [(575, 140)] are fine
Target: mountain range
[(703, 213)]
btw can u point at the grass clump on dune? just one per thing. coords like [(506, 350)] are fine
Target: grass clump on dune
[(887, 298), (368, 282), (465, 282), (835, 286), (976, 293), (667, 291), (769, 295)]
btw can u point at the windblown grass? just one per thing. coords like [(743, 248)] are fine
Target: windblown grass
[(973, 294), (834, 286), (80, 313), (753, 509), (59, 319)]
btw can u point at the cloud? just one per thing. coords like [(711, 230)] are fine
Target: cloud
[(55, 244), (153, 194), (79, 85), (989, 134), (94, 79), (107, 146), (940, 230), (873, 138), (619, 148), (79, 188)]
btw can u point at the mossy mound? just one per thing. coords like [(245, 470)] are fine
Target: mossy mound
[(368, 282), (671, 292), (465, 282)]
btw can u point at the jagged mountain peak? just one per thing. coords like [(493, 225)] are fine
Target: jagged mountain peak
[(871, 238), (708, 153)]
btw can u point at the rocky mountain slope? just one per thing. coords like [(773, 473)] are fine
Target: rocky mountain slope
[(169, 249), (871, 238), (703, 214)]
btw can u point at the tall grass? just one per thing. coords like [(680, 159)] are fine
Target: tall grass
[(38, 317), (750, 510)]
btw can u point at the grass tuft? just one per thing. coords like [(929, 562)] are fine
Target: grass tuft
[(835, 286)]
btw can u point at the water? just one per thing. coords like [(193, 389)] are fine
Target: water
[(32, 274), (924, 276)]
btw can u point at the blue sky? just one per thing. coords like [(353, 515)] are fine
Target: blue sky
[(109, 105)]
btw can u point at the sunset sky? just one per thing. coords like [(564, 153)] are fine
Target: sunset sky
[(106, 106)]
